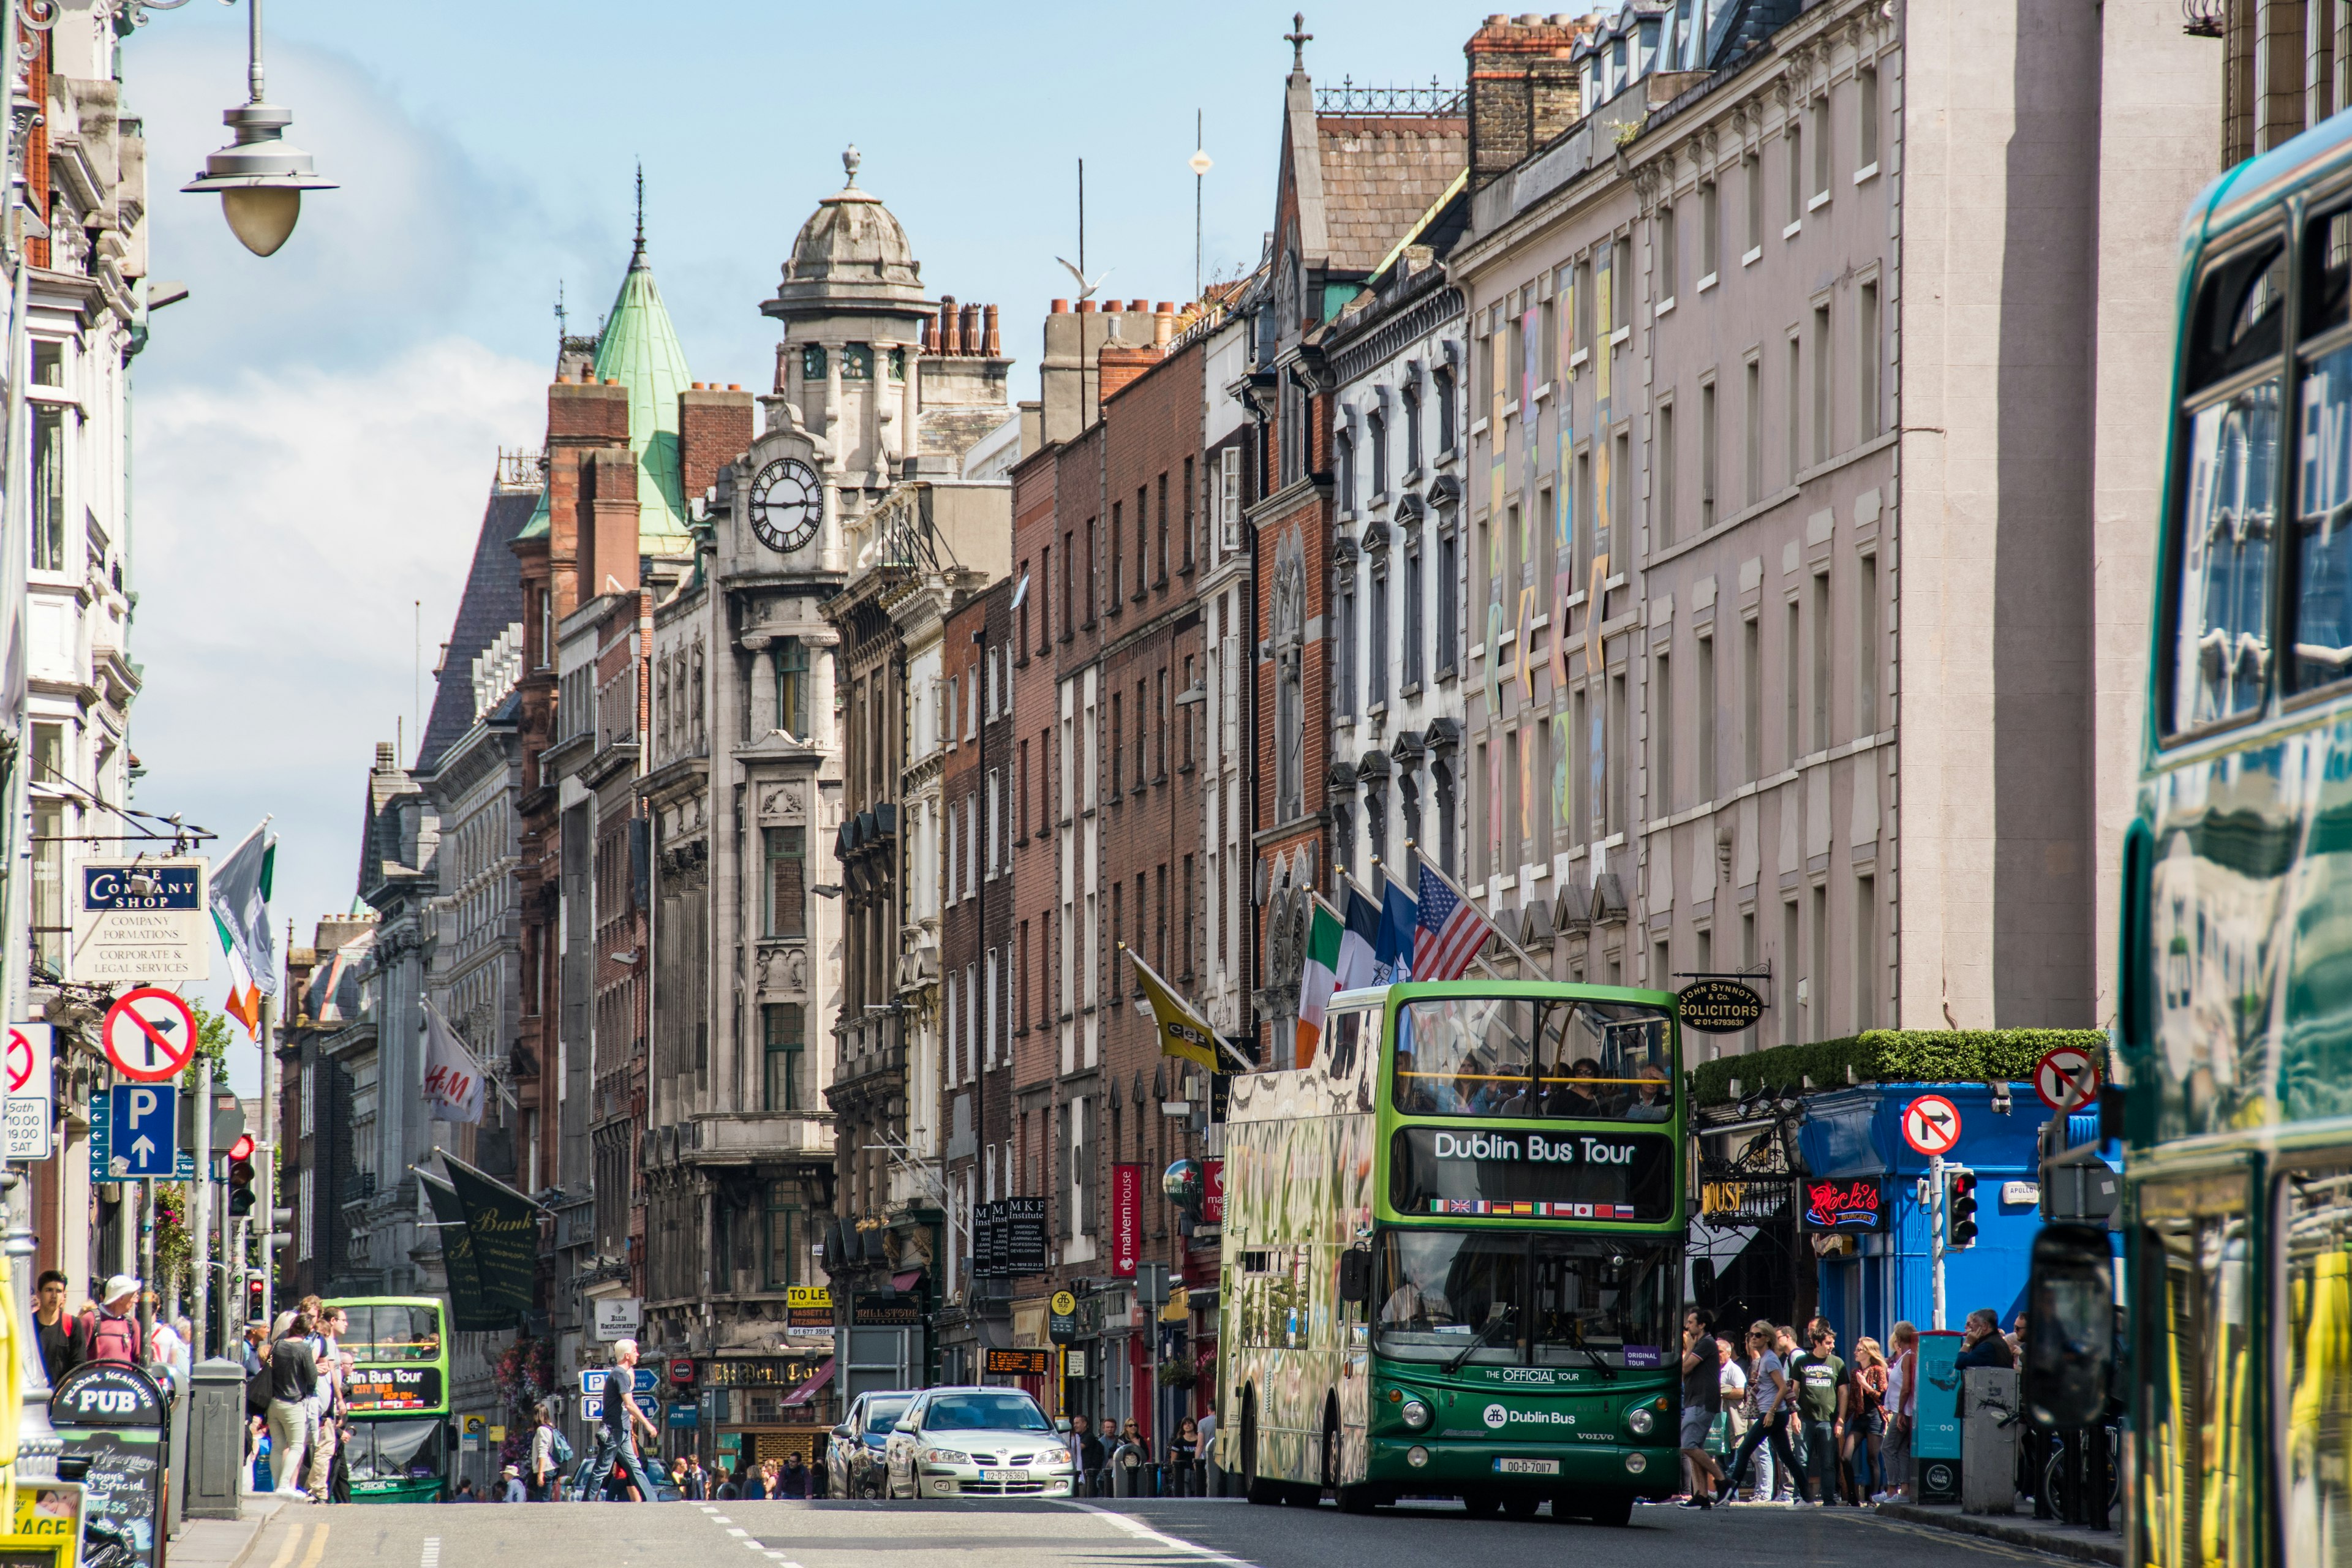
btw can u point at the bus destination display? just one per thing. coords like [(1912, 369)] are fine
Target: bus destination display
[(394, 1388), (1532, 1174)]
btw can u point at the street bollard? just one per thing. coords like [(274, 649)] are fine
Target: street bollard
[(215, 1439)]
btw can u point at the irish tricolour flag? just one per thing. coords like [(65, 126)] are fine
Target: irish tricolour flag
[(1319, 977)]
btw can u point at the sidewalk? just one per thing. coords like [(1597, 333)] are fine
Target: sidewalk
[(2016, 1529), (223, 1542)]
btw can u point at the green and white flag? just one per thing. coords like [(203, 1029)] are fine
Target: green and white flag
[(1319, 976)]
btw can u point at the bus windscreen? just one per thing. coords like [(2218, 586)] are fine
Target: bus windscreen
[(1502, 1297), (382, 1332), (1533, 1057)]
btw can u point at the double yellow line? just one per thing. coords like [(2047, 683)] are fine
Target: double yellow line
[(294, 1544)]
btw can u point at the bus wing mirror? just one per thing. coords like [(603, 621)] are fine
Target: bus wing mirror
[(1356, 1276), (2070, 1332)]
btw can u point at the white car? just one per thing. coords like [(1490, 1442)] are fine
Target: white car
[(976, 1442)]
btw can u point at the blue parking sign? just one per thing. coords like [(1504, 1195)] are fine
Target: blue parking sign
[(144, 1137)]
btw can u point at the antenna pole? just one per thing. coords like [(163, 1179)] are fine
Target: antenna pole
[(1199, 181), (1082, 223)]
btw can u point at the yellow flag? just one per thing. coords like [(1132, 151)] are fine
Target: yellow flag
[(1182, 1032)]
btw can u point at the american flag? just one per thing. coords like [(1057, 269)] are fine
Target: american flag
[(1449, 931)]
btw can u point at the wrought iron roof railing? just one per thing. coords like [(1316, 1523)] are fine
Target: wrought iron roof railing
[(1436, 98)]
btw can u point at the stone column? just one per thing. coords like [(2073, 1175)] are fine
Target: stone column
[(823, 730), (910, 405), (763, 686), (834, 349)]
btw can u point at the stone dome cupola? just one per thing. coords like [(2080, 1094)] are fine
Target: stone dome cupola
[(850, 255)]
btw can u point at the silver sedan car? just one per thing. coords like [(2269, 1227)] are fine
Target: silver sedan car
[(976, 1442)]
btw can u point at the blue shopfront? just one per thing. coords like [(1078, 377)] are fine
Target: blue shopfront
[(1863, 1219)]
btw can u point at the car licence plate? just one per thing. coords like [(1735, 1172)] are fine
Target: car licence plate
[(1004, 1475), (1527, 1467)]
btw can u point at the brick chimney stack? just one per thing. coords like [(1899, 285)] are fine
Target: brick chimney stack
[(1523, 89), (714, 428)]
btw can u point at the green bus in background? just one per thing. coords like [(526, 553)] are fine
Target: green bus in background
[(1453, 1254), (400, 1446)]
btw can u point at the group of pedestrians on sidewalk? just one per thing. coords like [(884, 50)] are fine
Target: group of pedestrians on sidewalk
[(1099, 1465), (295, 1393), (1816, 1430)]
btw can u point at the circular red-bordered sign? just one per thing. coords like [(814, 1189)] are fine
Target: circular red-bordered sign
[(17, 1061), (149, 1035), (1931, 1124), (2054, 1076)]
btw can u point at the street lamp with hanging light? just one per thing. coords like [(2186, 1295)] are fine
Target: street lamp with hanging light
[(260, 175)]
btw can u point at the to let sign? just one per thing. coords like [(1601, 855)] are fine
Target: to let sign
[(142, 922), (1126, 1218)]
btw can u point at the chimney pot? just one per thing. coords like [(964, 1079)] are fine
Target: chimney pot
[(991, 344), (1086, 307), (1163, 308), (1059, 308), (1531, 20), (1139, 306), (611, 380), (734, 386)]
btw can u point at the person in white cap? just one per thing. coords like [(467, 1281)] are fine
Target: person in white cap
[(109, 1329)]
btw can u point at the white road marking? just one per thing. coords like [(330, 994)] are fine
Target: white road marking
[(720, 1519), (1142, 1531), (739, 1534), (432, 1556)]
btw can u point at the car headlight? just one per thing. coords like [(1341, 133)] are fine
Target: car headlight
[(1415, 1413), (1052, 1462), (1641, 1421), (945, 1457)]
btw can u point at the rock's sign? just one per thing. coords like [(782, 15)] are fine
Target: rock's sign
[(1718, 1006)]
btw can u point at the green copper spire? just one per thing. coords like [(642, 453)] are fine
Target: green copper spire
[(640, 349)]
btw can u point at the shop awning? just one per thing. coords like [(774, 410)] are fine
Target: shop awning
[(808, 1391), (906, 1282)]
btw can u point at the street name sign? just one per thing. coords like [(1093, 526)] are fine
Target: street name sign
[(145, 1136), (149, 1035), (28, 1076), (142, 922)]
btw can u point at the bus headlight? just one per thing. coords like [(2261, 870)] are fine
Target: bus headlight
[(1635, 1464), (1416, 1456), (1641, 1421), (1415, 1413)]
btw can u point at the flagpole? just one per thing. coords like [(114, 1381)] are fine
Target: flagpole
[(1455, 888)]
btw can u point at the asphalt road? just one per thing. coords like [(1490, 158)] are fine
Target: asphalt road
[(1106, 1534)]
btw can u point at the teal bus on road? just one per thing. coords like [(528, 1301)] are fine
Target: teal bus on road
[(1453, 1254), (2234, 981), (400, 1448)]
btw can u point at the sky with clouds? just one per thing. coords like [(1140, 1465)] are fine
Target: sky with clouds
[(315, 433)]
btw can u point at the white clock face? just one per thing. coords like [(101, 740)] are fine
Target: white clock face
[(786, 504)]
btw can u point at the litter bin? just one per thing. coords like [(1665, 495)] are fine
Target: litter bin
[(1989, 1440)]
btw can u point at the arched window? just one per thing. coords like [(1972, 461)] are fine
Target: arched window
[(812, 362)]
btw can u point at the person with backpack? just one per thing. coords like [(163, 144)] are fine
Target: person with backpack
[(550, 1455), (58, 1330), (111, 1329)]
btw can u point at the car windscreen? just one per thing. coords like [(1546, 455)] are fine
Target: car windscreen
[(883, 1414), (1500, 1298), (985, 1413)]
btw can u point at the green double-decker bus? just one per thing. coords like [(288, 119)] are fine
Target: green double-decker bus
[(1453, 1254), (400, 1447), (2234, 978)]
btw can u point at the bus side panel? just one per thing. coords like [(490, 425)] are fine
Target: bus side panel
[(1297, 1191)]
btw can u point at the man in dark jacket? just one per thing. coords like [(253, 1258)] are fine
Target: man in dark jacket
[(62, 1349)]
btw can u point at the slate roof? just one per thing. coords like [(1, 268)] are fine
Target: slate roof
[(1381, 174), (491, 603)]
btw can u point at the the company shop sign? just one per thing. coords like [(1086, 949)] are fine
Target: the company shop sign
[(1518, 1173)]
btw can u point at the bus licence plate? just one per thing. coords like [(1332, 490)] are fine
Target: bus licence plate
[(1527, 1467), (1004, 1475)]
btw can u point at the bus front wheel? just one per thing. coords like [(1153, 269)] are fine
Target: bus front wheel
[(1617, 1509), (1522, 1505), (1480, 1505)]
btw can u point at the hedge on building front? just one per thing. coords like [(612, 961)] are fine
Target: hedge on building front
[(1889, 1056)]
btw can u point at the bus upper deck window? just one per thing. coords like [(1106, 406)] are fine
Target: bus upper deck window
[(2322, 490), (2225, 556)]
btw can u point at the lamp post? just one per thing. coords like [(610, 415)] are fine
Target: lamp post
[(260, 175)]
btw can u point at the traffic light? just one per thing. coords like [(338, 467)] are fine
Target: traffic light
[(255, 1288), (1959, 1208), (240, 1177)]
